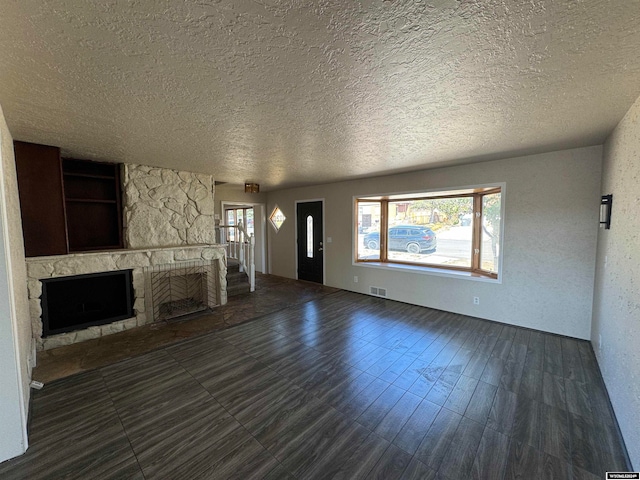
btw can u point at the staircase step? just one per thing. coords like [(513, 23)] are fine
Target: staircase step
[(238, 289), (236, 278), (237, 281)]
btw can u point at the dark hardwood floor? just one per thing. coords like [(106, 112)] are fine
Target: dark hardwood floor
[(342, 387)]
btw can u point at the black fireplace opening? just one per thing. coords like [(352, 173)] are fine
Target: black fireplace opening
[(81, 301)]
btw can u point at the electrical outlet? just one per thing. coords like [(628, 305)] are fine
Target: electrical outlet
[(355, 279), (476, 300)]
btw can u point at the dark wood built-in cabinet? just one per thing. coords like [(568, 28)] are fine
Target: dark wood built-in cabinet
[(41, 199), (67, 205), (92, 201)]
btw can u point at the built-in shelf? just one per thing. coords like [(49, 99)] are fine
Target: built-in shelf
[(67, 205), (92, 199), (88, 175), (94, 248), (89, 200)]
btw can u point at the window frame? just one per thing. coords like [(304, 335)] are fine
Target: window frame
[(231, 232), (477, 193)]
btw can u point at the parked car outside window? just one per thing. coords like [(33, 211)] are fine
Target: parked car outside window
[(408, 238)]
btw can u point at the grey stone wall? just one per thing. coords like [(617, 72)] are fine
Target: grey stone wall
[(166, 208)]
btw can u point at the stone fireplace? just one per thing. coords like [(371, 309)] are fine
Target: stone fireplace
[(211, 259), (180, 289), (168, 226), (81, 301)]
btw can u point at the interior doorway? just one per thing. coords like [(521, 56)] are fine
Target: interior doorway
[(253, 217)]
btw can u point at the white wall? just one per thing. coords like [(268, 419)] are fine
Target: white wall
[(550, 234), (616, 306), (15, 329)]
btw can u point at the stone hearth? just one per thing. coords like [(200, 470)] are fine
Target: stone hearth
[(39, 268)]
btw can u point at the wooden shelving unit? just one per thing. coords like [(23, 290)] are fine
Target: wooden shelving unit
[(67, 205), (92, 204)]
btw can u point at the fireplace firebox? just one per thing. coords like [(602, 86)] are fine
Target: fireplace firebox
[(81, 301), (182, 288)]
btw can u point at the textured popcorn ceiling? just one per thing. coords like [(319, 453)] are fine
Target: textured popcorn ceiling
[(291, 92)]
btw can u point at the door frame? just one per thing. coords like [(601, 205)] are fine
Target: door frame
[(263, 230), (324, 257)]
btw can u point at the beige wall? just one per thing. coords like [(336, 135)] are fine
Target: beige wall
[(550, 232), (235, 193), (15, 326), (616, 306)]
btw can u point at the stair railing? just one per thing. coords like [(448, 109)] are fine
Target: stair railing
[(240, 246)]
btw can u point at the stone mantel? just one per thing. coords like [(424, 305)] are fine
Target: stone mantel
[(39, 268)]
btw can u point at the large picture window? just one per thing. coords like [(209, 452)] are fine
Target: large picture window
[(453, 230)]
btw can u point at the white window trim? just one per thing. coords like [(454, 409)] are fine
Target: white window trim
[(438, 272)]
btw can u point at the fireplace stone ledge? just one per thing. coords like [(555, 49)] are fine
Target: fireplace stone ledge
[(39, 268)]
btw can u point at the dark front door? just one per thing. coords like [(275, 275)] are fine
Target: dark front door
[(310, 247)]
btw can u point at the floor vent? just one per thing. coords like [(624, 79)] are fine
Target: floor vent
[(378, 291)]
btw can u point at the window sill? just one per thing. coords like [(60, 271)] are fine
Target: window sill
[(439, 272)]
